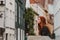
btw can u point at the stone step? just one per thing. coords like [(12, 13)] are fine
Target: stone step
[(38, 38)]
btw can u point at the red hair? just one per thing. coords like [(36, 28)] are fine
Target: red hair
[(43, 21)]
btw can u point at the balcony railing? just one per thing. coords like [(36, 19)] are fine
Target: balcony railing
[(2, 2)]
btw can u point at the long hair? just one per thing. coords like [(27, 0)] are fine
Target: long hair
[(43, 20), (41, 23)]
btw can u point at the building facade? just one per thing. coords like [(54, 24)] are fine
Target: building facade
[(7, 19), (43, 8), (39, 10), (2, 25), (19, 19)]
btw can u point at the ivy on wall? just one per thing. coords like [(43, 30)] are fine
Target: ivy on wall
[(29, 21)]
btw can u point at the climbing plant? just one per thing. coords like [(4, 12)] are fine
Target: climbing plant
[(29, 21)]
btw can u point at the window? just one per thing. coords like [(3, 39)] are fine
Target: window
[(19, 14), (19, 11), (16, 12)]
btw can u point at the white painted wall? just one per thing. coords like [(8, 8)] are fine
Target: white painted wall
[(50, 9), (57, 16), (57, 23), (38, 9), (56, 6)]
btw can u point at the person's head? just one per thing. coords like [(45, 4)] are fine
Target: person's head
[(43, 20)]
